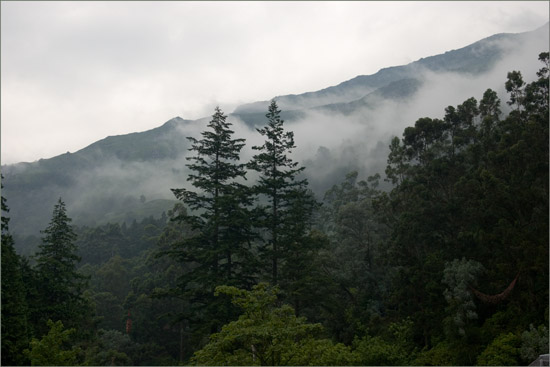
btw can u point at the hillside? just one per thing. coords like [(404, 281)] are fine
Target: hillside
[(104, 181), (473, 59)]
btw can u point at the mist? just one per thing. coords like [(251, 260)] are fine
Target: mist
[(330, 143), (333, 144)]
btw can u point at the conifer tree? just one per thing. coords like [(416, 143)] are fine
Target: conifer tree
[(219, 248), (14, 305), (60, 285), (289, 207)]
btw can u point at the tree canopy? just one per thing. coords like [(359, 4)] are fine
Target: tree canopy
[(446, 263)]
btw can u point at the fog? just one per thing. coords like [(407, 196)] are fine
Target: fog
[(333, 143), (329, 144), (75, 72)]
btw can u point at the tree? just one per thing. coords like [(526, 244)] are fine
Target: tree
[(98, 245), (219, 246), (515, 86), (396, 170), (356, 259), (15, 333), (474, 185), (534, 342), (503, 351), (290, 249), (61, 286), (268, 335), (51, 350), (289, 206), (397, 351), (489, 108), (459, 275)]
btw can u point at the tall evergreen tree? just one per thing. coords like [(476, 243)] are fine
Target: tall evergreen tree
[(60, 285), (288, 208), (15, 336), (219, 249)]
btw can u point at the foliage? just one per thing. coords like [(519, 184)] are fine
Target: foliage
[(116, 348), (355, 265), (442, 354), (60, 293), (220, 241), (217, 248), (15, 333), (470, 183), (534, 342), (383, 277), (374, 351), (268, 335), (458, 276), (396, 349), (96, 245), (286, 214), (52, 350), (503, 351), (289, 250)]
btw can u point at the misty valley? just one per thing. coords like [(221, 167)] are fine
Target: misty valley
[(399, 218)]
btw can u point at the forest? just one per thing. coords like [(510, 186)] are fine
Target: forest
[(447, 267)]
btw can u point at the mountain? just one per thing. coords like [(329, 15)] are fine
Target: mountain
[(474, 59), (338, 129)]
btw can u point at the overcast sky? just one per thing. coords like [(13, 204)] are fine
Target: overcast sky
[(75, 72)]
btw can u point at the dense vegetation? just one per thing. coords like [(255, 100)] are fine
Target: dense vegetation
[(449, 267)]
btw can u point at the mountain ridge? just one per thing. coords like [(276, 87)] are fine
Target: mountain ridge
[(364, 84), (382, 78), (111, 172)]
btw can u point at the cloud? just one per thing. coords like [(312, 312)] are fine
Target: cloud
[(75, 72), (329, 144)]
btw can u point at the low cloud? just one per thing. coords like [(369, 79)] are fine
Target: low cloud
[(75, 72), (328, 143)]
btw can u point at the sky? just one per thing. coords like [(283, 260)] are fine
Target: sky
[(76, 72)]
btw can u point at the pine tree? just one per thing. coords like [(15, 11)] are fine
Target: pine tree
[(60, 285), (14, 305), (286, 215), (219, 250)]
